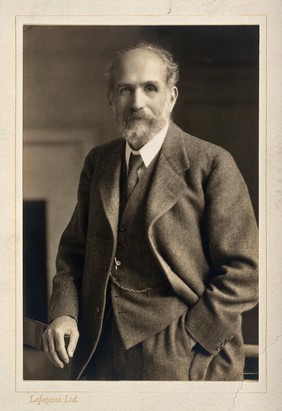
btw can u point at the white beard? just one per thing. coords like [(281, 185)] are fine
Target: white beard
[(139, 128)]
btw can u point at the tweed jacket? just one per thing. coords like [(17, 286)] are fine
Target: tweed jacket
[(200, 227)]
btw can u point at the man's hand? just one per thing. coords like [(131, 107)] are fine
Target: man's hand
[(54, 340)]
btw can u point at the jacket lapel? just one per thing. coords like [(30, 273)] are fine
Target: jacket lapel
[(167, 185), (109, 185), (168, 182)]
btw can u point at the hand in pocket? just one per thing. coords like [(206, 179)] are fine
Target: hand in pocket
[(200, 363)]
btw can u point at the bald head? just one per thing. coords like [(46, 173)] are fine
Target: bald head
[(170, 67)]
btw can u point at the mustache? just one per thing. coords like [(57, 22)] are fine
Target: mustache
[(132, 115)]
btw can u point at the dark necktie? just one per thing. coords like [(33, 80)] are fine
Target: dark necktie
[(135, 162)]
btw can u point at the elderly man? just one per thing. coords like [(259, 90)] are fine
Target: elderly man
[(158, 261)]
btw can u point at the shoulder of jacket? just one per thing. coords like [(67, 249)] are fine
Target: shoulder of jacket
[(201, 151), (101, 149)]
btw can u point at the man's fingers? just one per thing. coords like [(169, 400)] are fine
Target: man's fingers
[(73, 342), (60, 347), (54, 340), (49, 349), (54, 347), (53, 355)]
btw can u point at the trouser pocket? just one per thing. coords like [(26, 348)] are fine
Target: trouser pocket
[(167, 355)]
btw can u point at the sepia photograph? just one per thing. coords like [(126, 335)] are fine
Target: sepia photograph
[(140, 202), (140, 206)]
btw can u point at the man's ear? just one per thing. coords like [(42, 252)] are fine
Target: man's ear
[(110, 100), (173, 97)]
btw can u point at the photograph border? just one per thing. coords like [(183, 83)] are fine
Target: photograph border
[(14, 394), (129, 387)]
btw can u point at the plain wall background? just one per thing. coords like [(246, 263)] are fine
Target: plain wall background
[(66, 110)]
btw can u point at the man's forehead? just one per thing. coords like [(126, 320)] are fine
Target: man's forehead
[(140, 62), (140, 53)]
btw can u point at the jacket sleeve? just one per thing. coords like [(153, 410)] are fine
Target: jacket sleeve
[(70, 258), (231, 235)]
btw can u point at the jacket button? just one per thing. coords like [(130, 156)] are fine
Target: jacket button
[(98, 308)]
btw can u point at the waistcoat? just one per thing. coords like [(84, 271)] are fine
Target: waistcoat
[(139, 315)]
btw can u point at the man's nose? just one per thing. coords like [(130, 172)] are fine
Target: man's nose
[(137, 102)]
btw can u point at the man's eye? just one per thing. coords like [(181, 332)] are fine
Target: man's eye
[(125, 90), (149, 88)]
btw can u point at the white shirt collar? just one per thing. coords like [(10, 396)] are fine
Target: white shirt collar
[(149, 151)]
